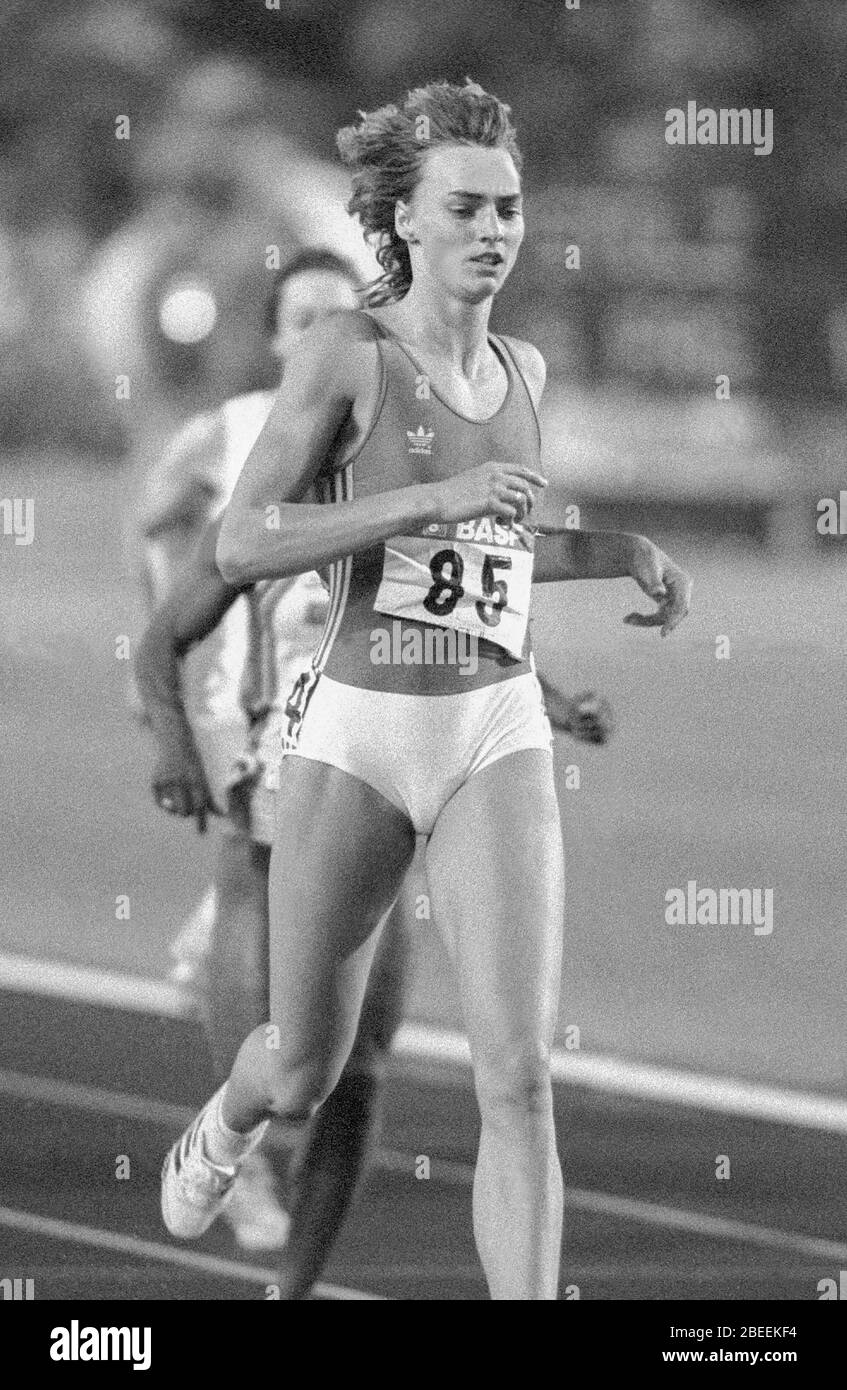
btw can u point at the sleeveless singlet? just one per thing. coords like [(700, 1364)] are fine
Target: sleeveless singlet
[(395, 607)]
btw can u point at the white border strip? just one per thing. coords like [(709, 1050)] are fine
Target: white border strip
[(423, 1043)]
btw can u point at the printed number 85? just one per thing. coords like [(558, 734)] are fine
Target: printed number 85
[(446, 568)]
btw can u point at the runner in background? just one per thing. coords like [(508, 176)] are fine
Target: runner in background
[(219, 951)]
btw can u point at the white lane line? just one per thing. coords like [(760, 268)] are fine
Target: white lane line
[(94, 1099), (450, 1171), (646, 1213), (645, 1081), (78, 1234), (428, 1045), (697, 1223), (82, 983)]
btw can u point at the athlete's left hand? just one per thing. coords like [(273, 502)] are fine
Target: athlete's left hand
[(664, 582), (587, 717), (180, 786)]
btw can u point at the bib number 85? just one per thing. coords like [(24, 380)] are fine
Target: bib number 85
[(447, 570)]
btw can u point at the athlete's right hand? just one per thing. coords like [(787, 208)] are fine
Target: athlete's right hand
[(493, 489), (180, 786)]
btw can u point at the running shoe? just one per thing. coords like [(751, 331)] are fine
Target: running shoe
[(194, 1190)]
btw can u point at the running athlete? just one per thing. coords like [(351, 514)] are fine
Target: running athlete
[(415, 429), (222, 949), (340, 1139)]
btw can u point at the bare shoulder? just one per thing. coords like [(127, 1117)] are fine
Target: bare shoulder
[(339, 355), (532, 365)]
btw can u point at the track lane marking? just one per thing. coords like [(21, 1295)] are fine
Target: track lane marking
[(79, 1234), (452, 1172), (420, 1042)]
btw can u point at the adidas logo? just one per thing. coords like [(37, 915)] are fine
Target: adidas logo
[(420, 440)]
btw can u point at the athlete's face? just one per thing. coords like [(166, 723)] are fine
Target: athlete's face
[(464, 222), (306, 297)]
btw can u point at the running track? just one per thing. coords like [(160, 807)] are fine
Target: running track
[(83, 1084)]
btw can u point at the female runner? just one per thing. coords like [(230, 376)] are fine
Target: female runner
[(415, 432)]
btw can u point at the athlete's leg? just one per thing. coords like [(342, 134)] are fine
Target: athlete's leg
[(237, 972), (337, 1145), (235, 1002), (339, 855), (189, 951), (496, 879)]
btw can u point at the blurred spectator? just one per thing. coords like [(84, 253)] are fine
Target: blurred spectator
[(691, 262)]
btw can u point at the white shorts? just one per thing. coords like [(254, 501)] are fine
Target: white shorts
[(416, 751)]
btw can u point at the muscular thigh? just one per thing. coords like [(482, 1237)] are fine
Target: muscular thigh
[(496, 879), (340, 851)]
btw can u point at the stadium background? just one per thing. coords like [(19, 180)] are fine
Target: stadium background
[(694, 263)]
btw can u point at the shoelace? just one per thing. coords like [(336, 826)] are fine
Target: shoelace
[(200, 1177)]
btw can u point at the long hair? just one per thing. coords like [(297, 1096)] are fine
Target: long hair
[(385, 150)]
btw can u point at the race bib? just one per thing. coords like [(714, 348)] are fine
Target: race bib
[(473, 576)]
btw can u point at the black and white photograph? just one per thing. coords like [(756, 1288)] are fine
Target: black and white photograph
[(423, 618)]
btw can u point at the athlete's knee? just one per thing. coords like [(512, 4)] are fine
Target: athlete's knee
[(296, 1086), (514, 1081)]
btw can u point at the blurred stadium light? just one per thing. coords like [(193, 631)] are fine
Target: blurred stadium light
[(187, 311), (229, 196)]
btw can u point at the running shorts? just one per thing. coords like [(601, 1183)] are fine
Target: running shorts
[(417, 751)]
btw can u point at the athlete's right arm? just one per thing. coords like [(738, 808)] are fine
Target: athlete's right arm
[(191, 611), (268, 533)]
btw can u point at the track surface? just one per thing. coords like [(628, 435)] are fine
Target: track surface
[(646, 1217)]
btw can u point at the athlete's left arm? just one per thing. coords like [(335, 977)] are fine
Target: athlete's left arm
[(572, 554)]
